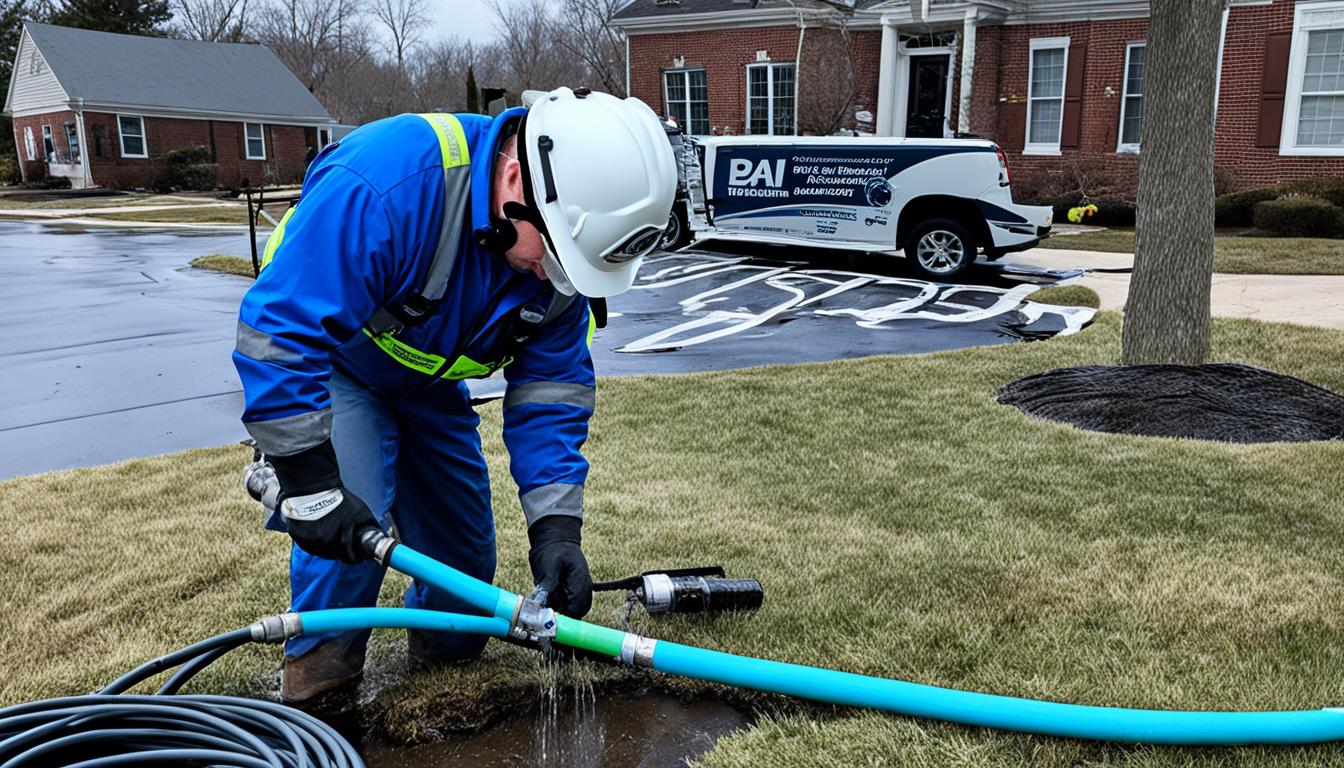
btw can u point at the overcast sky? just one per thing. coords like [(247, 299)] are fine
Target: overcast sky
[(471, 19)]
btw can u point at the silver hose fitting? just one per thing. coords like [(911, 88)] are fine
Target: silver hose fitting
[(378, 545), (277, 629), (638, 651)]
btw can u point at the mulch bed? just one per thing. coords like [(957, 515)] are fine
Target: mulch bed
[(1227, 402)]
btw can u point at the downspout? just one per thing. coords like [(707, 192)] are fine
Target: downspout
[(627, 65), (84, 156), (967, 70), (797, 70)]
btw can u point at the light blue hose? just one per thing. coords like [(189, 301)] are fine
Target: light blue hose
[(847, 689)]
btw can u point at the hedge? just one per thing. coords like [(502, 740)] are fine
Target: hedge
[(190, 168), (1237, 209), (1300, 217)]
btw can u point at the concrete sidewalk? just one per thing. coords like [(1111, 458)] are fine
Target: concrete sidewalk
[(62, 213), (1316, 300)]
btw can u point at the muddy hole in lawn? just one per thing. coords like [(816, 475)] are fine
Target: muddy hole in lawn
[(1227, 402), (568, 728)]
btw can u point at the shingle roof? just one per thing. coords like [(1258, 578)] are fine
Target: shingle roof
[(648, 8), (192, 75)]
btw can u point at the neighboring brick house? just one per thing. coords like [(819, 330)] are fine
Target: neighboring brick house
[(104, 109), (1059, 85)]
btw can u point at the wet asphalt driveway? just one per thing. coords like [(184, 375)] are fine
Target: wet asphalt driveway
[(111, 348)]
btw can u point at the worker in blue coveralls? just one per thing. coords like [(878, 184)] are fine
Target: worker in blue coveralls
[(425, 250)]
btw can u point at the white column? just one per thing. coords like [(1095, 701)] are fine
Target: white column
[(967, 71), (886, 81)]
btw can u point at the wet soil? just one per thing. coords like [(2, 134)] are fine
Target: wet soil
[(1226, 402), (576, 727)]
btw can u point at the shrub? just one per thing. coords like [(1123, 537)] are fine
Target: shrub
[(1067, 296), (1329, 189), (1237, 209), (1300, 216), (9, 171), (190, 168)]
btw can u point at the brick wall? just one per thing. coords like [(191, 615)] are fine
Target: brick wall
[(1000, 87), (999, 96), (1239, 100), (998, 99), (286, 149), (723, 54)]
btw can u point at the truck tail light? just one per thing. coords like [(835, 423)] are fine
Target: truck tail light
[(1005, 175)]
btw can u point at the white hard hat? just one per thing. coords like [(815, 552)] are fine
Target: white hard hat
[(601, 173)]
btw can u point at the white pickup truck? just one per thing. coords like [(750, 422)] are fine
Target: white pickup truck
[(941, 201)]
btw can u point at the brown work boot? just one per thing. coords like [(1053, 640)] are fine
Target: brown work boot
[(331, 665)]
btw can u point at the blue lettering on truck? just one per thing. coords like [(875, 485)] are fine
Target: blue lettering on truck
[(748, 180)]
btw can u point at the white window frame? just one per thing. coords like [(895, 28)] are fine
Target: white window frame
[(1307, 17), (48, 140), (769, 97), (323, 138), (685, 74), (29, 143), (121, 138), (247, 141), (1045, 43), (1120, 145)]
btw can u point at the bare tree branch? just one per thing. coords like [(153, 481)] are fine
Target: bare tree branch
[(213, 20), (405, 21)]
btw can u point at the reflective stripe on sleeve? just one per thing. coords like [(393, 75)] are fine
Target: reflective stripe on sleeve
[(255, 345), (553, 499), (291, 434), (580, 395)]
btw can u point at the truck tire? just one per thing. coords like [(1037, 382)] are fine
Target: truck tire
[(940, 249), (678, 233)]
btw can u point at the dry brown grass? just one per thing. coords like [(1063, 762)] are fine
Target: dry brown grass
[(903, 523)]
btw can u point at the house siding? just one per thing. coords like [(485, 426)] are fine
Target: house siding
[(29, 92), (286, 150)]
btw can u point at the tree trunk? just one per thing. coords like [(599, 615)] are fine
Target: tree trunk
[(1167, 314)]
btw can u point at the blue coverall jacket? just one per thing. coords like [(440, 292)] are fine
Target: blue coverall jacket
[(371, 216)]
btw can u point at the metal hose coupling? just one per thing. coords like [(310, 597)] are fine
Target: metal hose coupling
[(276, 629), (533, 621), (377, 545)]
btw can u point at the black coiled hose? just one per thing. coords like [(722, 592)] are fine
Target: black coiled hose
[(106, 729)]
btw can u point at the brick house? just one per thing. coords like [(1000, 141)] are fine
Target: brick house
[(104, 109), (1059, 85)]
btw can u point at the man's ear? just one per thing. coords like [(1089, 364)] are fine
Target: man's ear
[(508, 184)]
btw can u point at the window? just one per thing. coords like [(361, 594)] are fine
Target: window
[(323, 138), (1045, 94), (687, 95), (48, 144), (1131, 105), (132, 132), (72, 141), (256, 143), (1314, 103), (28, 144), (770, 99)]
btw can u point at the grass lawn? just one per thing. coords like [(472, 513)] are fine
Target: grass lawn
[(903, 524), (223, 262), (110, 201), (214, 214), (1231, 254)]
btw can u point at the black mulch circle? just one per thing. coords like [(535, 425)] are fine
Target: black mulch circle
[(1232, 403)]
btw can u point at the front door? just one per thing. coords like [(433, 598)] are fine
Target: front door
[(926, 105)]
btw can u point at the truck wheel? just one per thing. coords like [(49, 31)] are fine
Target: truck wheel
[(938, 249), (677, 233)]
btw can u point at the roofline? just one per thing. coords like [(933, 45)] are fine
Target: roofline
[(888, 13), (774, 17), (184, 114)]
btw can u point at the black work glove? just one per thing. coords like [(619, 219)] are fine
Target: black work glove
[(558, 565), (323, 517)]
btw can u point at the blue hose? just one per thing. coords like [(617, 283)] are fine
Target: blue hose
[(848, 689), (347, 619)]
